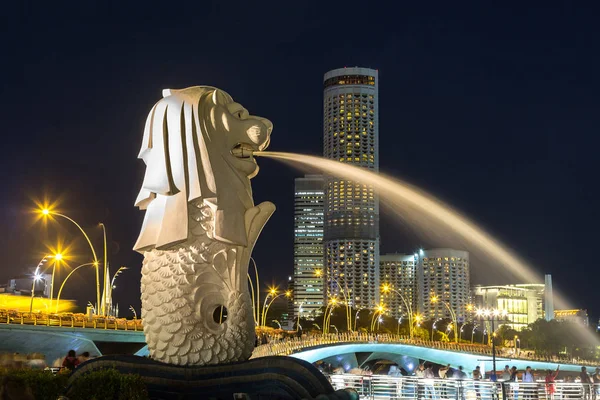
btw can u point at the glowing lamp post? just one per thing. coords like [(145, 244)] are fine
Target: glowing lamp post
[(48, 213), (492, 315), (378, 312), (36, 278), (345, 294), (274, 296), (57, 258), (386, 289), (435, 299)]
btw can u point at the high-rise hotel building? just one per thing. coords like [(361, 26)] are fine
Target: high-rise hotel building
[(309, 199), (444, 283), (398, 274), (351, 136)]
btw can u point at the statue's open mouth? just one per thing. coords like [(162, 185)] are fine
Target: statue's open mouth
[(242, 150)]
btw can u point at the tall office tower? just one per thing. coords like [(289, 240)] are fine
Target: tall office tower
[(443, 275), (308, 278), (351, 136), (398, 274)]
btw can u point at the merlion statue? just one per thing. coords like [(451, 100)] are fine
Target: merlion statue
[(200, 226)]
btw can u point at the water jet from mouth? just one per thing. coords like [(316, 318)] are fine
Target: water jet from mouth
[(420, 209)]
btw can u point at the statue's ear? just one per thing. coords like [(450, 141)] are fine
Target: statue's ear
[(219, 98)]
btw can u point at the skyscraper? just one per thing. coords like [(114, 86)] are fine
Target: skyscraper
[(398, 273), (308, 278), (443, 276), (351, 135)]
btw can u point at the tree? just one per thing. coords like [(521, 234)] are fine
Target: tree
[(505, 333)]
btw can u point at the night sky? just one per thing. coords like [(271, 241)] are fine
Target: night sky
[(492, 109)]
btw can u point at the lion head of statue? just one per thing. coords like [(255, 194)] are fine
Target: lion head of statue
[(197, 147)]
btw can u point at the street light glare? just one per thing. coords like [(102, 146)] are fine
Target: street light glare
[(58, 256), (45, 211)]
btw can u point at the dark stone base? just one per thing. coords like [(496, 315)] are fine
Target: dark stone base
[(282, 378)]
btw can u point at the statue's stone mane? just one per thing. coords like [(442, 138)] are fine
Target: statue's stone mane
[(184, 160)]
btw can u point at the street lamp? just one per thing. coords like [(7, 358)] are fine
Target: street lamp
[(435, 299), (330, 306), (461, 331), (345, 293), (36, 277), (433, 327), (387, 288), (67, 278), (377, 312), (473, 332), (273, 293), (491, 316), (299, 314), (356, 317), (46, 212), (57, 258)]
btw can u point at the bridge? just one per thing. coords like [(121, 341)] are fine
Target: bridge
[(354, 350), (54, 334)]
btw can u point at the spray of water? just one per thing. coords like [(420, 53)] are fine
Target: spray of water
[(420, 209)]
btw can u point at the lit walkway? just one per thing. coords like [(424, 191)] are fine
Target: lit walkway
[(319, 347)]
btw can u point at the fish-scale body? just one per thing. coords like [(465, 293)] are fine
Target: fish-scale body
[(183, 288)]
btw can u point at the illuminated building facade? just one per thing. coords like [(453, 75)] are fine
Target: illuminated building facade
[(307, 290), (443, 282), (523, 304), (574, 316), (351, 135), (399, 273)]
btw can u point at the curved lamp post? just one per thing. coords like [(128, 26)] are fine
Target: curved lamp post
[(36, 277), (378, 311), (345, 294), (57, 258), (435, 299), (473, 332), (67, 278), (387, 288), (329, 308), (492, 315), (47, 212), (273, 293), (433, 327)]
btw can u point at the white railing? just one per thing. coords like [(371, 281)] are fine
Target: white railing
[(289, 346), (374, 387)]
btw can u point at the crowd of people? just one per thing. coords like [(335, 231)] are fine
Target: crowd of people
[(38, 361), (428, 380)]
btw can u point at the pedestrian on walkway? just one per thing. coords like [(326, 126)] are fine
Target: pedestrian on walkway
[(550, 386), (70, 361), (586, 383)]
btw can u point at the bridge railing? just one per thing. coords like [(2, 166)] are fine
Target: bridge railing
[(408, 388), (290, 346), (69, 321)]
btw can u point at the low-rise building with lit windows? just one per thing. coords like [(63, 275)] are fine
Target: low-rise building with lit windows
[(523, 304), (577, 316)]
